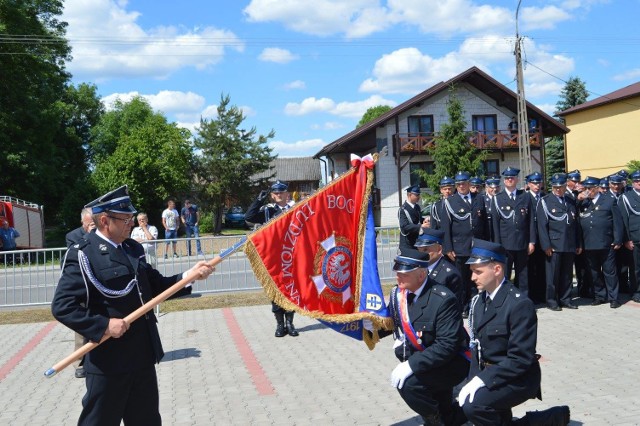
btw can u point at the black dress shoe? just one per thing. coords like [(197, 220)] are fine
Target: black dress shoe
[(80, 374), (597, 302), (569, 306), (554, 416), (636, 299), (554, 308), (615, 304)]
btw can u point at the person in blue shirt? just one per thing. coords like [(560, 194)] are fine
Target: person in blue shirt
[(8, 237)]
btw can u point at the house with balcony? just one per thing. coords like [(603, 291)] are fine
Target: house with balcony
[(403, 136), (604, 132)]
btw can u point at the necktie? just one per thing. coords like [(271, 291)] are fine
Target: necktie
[(467, 199), (561, 200), (537, 197), (513, 196), (487, 302), (410, 298)]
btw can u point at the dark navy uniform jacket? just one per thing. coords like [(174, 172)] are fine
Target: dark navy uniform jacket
[(555, 230), (436, 214), (507, 334), (87, 311), (459, 233), (436, 315), (447, 274), (259, 213), (629, 205), (513, 224), (601, 223), (409, 226)]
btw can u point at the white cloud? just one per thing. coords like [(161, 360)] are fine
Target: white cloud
[(548, 108), (308, 106), (343, 109), (329, 125), (108, 42), (356, 18), (277, 55), (297, 149), (295, 85), (628, 75), (247, 111), (166, 101), (543, 17)]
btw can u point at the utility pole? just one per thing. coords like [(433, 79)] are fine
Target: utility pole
[(523, 122)]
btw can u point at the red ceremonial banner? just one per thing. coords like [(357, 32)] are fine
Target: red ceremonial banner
[(309, 259)]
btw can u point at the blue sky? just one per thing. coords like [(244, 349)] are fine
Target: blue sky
[(310, 69)]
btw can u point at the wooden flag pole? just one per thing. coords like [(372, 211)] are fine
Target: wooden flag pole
[(88, 347)]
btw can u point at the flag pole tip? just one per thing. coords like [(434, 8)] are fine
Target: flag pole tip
[(50, 373)]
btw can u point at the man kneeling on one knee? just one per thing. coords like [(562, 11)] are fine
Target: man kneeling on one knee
[(504, 370)]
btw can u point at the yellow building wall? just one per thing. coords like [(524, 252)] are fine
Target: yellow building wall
[(603, 139)]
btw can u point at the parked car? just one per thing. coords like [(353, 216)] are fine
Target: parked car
[(234, 218)]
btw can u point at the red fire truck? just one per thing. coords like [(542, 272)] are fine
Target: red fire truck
[(26, 218)]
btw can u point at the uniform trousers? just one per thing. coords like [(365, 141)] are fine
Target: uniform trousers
[(518, 261), (559, 269), (583, 276), (538, 276), (625, 270), (493, 407), (603, 261), (635, 288), (132, 397), (432, 393)]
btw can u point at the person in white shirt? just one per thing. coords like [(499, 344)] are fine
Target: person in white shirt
[(143, 233), (171, 222)]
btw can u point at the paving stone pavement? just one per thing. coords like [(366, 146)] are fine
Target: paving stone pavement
[(224, 367)]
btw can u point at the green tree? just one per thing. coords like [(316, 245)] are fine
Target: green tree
[(229, 157), (452, 151), (153, 157), (33, 83), (373, 113), (573, 93), (633, 165)]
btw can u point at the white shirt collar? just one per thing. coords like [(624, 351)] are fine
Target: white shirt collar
[(101, 235), (494, 292)]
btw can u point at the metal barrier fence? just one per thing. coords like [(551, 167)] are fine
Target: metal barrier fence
[(29, 277)]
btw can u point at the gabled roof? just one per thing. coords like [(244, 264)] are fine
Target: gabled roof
[(363, 138), (293, 169), (630, 91)]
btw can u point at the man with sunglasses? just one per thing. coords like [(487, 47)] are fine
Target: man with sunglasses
[(106, 277)]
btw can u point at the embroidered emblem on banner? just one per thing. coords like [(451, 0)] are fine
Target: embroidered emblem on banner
[(333, 268)]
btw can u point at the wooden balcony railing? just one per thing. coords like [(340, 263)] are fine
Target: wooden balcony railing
[(412, 143)]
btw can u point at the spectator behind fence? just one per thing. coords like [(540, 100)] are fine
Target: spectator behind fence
[(8, 236), (170, 222), (144, 233), (190, 216)]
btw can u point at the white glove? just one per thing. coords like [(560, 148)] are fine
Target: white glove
[(400, 374), (470, 390), (367, 324)]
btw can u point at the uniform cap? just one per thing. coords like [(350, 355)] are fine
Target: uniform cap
[(462, 177), (116, 201), (574, 176), (510, 172), (486, 251), (279, 186), (616, 178), (635, 175), (559, 179), (535, 177), (429, 237), (590, 182), (476, 181), (604, 183), (413, 189), (410, 260), (623, 173), (493, 182), (447, 181)]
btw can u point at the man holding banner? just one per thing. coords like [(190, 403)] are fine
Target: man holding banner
[(257, 213)]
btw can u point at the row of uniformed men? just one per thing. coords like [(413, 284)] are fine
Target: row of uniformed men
[(544, 234)]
